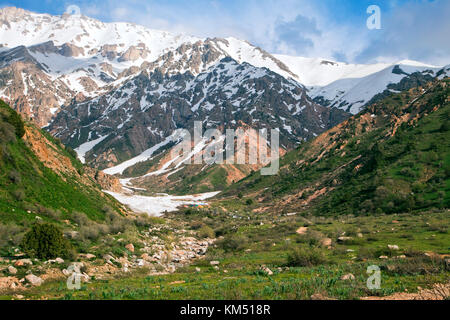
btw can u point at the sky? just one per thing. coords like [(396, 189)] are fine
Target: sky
[(332, 29)]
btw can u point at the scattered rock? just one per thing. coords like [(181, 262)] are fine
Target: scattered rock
[(302, 230), (197, 269), (214, 263), (348, 277), (87, 256), (130, 247), (393, 247), (34, 280), (326, 242), (23, 262), (344, 239), (267, 270), (360, 235), (12, 270), (384, 257)]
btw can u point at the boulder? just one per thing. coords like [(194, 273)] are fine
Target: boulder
[(130, 247), (23, 262), (34, 280), (344, 239), (12, 270), (266, 270), (347, 277), (326, 242)]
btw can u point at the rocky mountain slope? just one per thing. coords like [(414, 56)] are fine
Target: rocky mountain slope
[(394, 157), (118, 92), (149, 108), (354, 93), (40, 177), (83, 57)]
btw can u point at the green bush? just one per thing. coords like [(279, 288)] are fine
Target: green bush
[(233, 242), (206, 232), (46, 241), (301, 257), (12, 117)]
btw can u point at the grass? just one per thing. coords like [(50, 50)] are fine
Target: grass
[(270, 242)]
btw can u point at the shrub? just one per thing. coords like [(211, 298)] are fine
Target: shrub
[(7, 133), (16, 120), (232, 242), (19, 195), (14, 176), (206, 232), (80, 218), (46, 241), (301, 257)]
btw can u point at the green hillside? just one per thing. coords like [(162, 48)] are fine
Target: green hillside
[(31, 191), (392, 158)]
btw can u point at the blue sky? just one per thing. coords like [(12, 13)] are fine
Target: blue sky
[(333, 29)]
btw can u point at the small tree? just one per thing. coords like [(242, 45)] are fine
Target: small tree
[(46, 241)]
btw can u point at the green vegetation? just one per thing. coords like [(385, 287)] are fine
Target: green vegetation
[(301, 265), (45, 241), (31, 191), (371, 164)]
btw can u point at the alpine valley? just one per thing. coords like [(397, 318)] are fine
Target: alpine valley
[(91, 112)]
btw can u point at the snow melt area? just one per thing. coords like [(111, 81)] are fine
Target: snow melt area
[(146, 155), (157, 206), (86, 147)]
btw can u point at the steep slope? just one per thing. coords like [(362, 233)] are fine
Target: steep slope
[(39, 177), (146, 111), (393, 157)]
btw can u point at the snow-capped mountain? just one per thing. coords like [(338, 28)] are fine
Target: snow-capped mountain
[(351, 86), (123, 88), (147, 109), (86, 57)]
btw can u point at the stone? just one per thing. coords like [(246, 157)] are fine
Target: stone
[(360, 235), (214, 263), (326, 242), (393, 247), (12, 270), (266, 270), (59, 261), (87, 256), (347, 277), (130, 247), (302, 230), (384, 257), (344, 239), (23, 262), (34, 280), (197, 269)]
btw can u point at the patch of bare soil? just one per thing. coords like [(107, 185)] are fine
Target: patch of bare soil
[(437, 292)]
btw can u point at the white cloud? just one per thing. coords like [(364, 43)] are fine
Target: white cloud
[(416, 30)]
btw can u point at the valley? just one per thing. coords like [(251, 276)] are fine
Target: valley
[(94, 188)]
